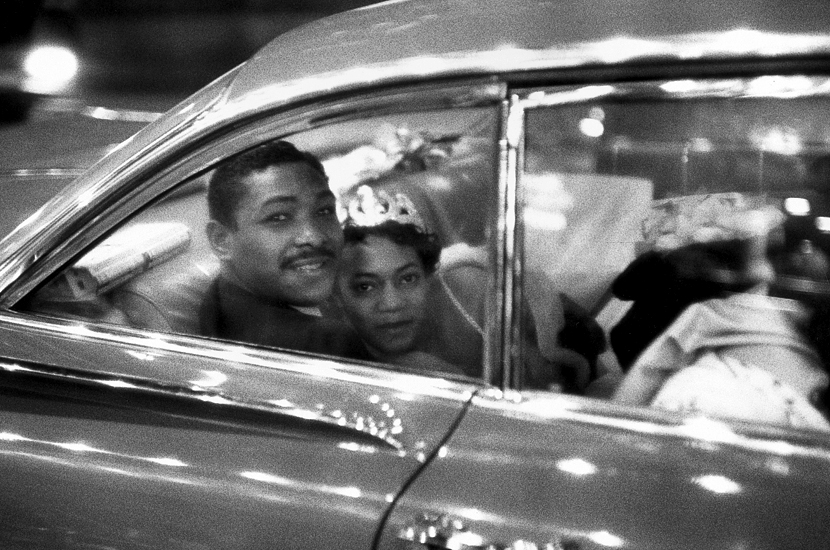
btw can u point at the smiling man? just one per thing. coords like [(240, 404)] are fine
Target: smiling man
[(273, 225)]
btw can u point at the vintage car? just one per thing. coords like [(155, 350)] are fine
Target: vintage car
[(633, 200)]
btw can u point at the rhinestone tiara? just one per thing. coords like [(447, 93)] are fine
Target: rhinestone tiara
[(369, 208)]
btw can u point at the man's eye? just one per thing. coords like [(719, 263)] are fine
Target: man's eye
[(278, 217), (327, 211), (363, 288), (410, 278)]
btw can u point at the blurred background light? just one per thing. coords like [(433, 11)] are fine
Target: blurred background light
[(50, 68)]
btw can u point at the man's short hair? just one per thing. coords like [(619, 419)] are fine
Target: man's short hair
[(226, 188)]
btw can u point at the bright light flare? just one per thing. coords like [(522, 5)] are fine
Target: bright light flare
[(591, 127), (50, 68)]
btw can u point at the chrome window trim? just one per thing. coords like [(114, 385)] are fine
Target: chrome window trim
[(733, 45), (41, 173), (46, 247)]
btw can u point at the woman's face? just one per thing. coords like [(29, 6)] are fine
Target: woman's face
[(384, 288)]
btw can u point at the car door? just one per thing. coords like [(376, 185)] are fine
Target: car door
[(122, 427), (562, 459)]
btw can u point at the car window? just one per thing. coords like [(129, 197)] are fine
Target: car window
[(266, 263), (676, 246)]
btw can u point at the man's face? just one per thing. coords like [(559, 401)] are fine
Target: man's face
[(288, 240), (384, 291)]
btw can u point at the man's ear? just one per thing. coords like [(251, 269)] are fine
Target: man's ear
[(220, 239)]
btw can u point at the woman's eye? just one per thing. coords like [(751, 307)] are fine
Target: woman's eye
[(278, 217), (327, 211)]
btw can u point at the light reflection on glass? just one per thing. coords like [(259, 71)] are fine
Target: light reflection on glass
[(577, 466), (823, 224), (442, 452), (701, 145), (717, 484), (784, 141), (6, 436), (796, 206)]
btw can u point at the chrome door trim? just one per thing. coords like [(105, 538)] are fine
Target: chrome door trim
[(367, 430), (547, 407), (150, 346), (433, 384)]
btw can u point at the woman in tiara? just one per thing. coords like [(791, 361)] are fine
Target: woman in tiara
[(388, 283)]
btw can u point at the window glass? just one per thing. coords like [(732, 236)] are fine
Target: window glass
[(677, 252), (255, 251)]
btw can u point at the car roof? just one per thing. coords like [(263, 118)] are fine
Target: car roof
[(425, 32)]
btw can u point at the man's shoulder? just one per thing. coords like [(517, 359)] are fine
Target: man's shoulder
[(232, 313)]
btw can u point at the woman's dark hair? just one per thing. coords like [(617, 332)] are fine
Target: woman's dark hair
[(426, 245)]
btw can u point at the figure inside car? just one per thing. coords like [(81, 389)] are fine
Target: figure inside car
[(273, 225), (717, 325), (387, 281)]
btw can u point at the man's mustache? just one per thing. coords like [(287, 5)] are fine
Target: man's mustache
[(317, 252)]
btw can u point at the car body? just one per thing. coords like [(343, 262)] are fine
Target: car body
[(121, 428)]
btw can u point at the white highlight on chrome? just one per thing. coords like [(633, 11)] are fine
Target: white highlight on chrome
[(606, 539), (591, 127), (718, 484), (577, 466)]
